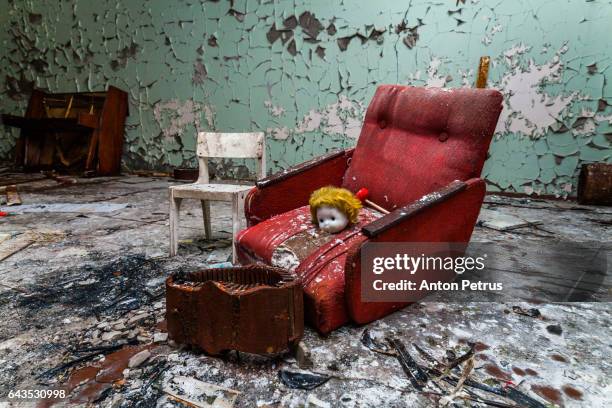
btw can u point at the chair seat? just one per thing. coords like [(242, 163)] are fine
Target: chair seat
[(209, 191), (291, 241)]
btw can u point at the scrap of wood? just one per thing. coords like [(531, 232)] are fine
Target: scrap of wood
[(12, 246), (12, 196), (467, 370), (22, 241), (91, 151), (415, 374), (483, 72), (455, 393)]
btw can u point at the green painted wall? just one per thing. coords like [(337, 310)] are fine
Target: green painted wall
[(304, 72)]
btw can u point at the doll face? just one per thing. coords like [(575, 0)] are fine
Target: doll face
[(331, 219)]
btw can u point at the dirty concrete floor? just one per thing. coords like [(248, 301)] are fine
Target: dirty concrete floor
[(91, 281)]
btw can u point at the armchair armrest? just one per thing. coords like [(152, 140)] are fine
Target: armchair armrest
[(448, 215), (291, 188), (395, 217), (301, 168)]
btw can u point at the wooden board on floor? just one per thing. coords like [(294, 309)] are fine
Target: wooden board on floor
[(12, 246)]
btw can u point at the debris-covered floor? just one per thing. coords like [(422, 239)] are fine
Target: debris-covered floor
[(82, 298)]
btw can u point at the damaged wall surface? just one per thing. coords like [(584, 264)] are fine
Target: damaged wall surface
[(304, 72)]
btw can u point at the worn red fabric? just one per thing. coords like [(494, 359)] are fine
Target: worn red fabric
[(450, 221), (414, 141), (417, 140), (293, 192), (321, 273)]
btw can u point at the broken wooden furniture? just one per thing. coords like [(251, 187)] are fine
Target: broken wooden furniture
[(595, 184), (255, 309), (414, 142), (223, 145), (79, 132)]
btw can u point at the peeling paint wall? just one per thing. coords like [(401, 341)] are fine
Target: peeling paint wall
[(304, 72)]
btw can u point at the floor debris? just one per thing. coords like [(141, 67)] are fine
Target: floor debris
[(503, 222), (137, 359), (198, 393), (86, 275), (85, 208), (413, 371), (532, 312), (12, 196), (10, 246), (301, 379)]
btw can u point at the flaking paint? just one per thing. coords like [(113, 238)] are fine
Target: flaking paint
[(304, 72)]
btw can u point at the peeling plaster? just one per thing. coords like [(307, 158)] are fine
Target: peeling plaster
[(527, 108), (340, 118), (305, 71)]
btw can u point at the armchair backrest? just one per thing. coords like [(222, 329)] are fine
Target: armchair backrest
[(417, 140), (231, 145)]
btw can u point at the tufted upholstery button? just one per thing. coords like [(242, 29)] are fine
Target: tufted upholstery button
[(443, 136), (382, 123)]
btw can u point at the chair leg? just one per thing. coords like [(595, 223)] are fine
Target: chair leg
[(237, 216), (175, 207), (206, 217)]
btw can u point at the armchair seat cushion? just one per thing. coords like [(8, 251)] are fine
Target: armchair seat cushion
[(291, 241)]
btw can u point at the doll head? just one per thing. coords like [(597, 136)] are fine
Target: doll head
[(333, 208)]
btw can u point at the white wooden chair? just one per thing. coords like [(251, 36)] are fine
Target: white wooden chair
[(226, 145)]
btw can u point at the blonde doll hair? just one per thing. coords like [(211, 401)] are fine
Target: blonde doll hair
[(339, 198)]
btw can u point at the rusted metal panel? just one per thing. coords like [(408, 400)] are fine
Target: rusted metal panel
[(255, 309), (595, 184)]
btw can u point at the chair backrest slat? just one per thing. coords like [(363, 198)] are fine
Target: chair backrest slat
[(230, 145)]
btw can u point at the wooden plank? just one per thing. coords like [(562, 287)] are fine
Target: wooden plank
[(233, 145), (47, 151), (89, 120), (112, 130), (91, 151), (12, 246), (483, 72), (35, 109), (212, 192)]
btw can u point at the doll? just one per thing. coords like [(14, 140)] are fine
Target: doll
[(333, 208)]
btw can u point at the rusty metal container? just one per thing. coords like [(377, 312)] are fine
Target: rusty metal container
[(255, 309), (595, 184)]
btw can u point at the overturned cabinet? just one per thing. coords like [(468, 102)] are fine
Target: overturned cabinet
[(78, 132)]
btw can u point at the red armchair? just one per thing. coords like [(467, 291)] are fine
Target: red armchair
[(414, 142)]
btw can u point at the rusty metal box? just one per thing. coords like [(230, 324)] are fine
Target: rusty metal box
[(255, 309)]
